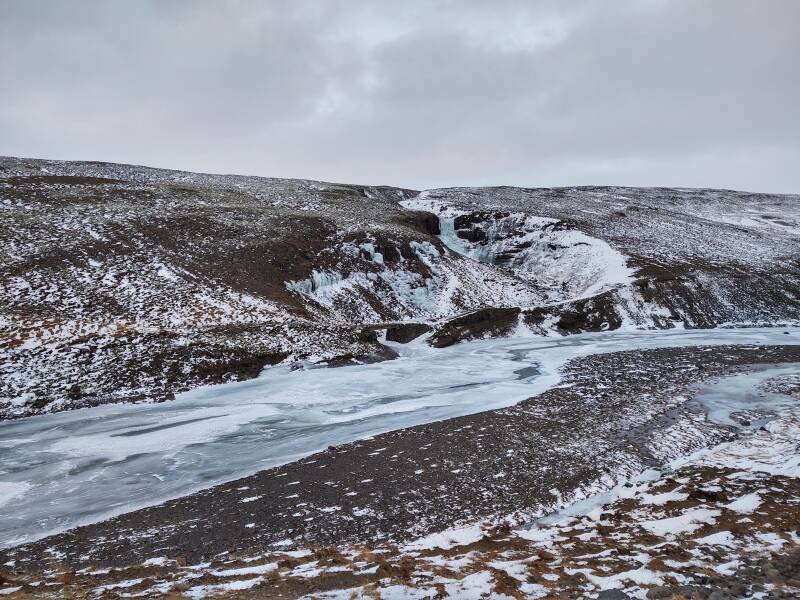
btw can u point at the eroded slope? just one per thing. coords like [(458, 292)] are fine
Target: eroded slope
[(122, 283)]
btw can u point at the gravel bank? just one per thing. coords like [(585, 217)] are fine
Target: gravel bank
[(612, 416)]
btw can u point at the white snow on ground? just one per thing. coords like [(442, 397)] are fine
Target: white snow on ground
[(766, 216), (686, 523), (9, 590), (640, 576), (447, 539), (745, 504), (660, 499), (254, 570), (157, 562), (721, 538), (425, 201), (201, 591)]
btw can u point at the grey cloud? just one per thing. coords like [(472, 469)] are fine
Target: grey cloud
[(420, 94)]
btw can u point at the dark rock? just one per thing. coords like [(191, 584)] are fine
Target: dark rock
[(597, 313), (473, 234), (390, 252), (405, 332), (736, 588), (485, 322), (612, 595), (659, 593), (695, 592), (706, 495), (561, 225), (346, 360), (423, 221), (241, 363), (75, 392), (469, 220), (368, 335)]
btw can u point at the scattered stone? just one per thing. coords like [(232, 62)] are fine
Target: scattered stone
[(612, 595)]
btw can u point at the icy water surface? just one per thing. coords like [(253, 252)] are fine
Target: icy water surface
[(65, 469), (723, 399)]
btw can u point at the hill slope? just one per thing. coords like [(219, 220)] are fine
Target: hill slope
[(123, 283)]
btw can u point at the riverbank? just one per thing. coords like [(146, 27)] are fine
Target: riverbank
[(74, 468), (611, 416)]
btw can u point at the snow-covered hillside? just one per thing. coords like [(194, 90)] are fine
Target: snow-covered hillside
[(616, 257), (124, 283)]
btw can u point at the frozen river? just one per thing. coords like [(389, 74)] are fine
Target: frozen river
[(66, 469)]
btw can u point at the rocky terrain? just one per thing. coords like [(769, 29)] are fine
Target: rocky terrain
[(123, 283), (611, 257), (454, 509), (660, 472)]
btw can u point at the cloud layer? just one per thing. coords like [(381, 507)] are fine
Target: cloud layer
[(419, 94)]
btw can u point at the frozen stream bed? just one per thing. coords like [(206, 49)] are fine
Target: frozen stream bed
[(65, 469)]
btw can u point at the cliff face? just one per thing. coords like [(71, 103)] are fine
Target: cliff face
[(624, 257), (122, 283)]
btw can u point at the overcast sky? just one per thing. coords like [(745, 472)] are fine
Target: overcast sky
[(418, 94)]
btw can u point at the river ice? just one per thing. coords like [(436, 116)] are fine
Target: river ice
[(65, 469)]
